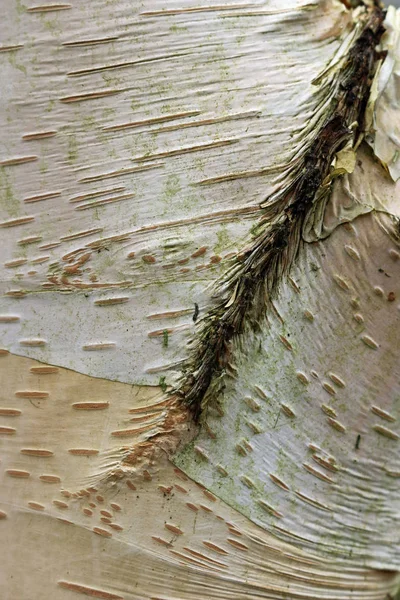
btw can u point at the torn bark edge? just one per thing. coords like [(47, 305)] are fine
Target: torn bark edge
[(250, 287)]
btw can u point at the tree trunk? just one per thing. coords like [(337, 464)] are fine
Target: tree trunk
[(199, 310)]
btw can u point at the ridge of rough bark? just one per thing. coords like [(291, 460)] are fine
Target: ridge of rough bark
[(249, 288)]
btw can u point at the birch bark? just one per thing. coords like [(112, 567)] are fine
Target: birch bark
[(199, 310)]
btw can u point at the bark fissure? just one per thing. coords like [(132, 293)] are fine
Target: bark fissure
[(249, 288)]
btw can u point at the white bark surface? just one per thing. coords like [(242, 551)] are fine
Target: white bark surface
[(386, 141), (166, 130), (140, 142), (286, 451)]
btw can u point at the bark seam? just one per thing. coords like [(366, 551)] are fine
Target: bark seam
[(249, 288)]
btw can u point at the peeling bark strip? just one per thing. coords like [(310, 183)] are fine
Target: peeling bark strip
[(252, 286)]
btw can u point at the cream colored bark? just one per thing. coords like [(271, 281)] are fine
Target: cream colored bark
[(142, 143)]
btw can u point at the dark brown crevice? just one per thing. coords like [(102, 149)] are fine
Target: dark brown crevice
[(255, 282), (351, 3)]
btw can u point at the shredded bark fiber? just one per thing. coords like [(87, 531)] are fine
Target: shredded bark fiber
[(250, 287)]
